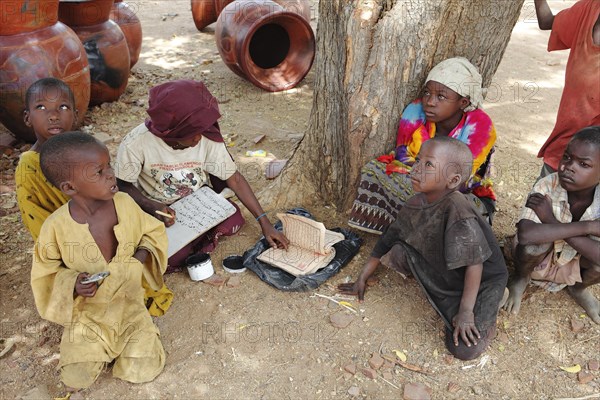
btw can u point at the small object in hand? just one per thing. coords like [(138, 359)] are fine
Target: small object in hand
[(96, 277), (234, 264), (164, 214)]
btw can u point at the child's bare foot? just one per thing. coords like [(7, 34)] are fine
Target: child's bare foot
[(516, 289), (586, 299)]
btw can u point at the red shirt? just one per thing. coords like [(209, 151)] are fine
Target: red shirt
[(580, 101)]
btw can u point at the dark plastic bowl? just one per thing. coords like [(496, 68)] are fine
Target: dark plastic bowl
[(234, 264)]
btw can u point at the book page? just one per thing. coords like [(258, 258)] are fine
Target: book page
[(196, 214), (304, 232), (332, 238), (310, 249), (296, 260)]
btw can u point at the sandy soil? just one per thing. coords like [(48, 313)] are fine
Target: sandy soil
[(253, 341)]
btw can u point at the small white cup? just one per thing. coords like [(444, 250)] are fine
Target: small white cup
[(199, 266)]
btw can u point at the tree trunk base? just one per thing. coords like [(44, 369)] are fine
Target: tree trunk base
[(373, 58)]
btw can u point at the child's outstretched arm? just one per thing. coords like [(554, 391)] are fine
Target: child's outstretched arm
[(243, 191), (464, 321), (544, 15), (358, 288)]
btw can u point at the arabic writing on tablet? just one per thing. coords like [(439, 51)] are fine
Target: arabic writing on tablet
[(196, 214)]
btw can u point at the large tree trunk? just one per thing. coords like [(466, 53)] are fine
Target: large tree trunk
[(372, 59)]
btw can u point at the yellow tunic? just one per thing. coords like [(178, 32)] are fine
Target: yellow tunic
[(38, 198), (114, 323)]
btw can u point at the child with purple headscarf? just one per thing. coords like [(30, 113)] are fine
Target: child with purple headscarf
[(176, 151)]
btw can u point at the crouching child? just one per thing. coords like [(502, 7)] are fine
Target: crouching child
[(557, 237), (441, 240), (98, 230)]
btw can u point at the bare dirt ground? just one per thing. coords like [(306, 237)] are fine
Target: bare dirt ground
[(253, 341)]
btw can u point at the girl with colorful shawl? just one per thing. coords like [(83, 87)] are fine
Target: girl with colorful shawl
[(450, 106)]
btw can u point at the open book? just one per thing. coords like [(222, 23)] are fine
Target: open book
[(310, 249), (195, 215)]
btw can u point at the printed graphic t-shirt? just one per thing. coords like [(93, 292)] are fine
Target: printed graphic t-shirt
[(164, 174)]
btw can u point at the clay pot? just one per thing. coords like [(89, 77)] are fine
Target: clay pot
[(104, 43), (33, 45), (263, 42), (205, 12), (131, 26), (22, 16)]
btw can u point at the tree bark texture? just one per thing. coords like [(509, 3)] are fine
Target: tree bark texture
[(372, 60)]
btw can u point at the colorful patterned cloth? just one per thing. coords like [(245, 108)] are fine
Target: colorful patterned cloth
[(385, 185), (475, 129)]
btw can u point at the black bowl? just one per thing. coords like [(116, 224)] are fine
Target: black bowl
[(234, 264)]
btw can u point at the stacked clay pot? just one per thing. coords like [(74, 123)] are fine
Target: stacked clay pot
[(34, 45), (131, 26), (104, 43), (270, 45)]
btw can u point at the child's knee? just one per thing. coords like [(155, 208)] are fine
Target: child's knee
[(81, 375), (140, 369), (464, 352)]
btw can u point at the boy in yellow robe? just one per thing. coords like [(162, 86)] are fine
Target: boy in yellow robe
[(51, 111), (98, 230)]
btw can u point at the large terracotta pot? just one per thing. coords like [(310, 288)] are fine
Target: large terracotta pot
[(131, 26), (33, 45), (263, 42), (104, 43), (205, 12)]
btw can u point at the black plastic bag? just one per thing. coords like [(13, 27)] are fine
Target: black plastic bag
[(282, 280)]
